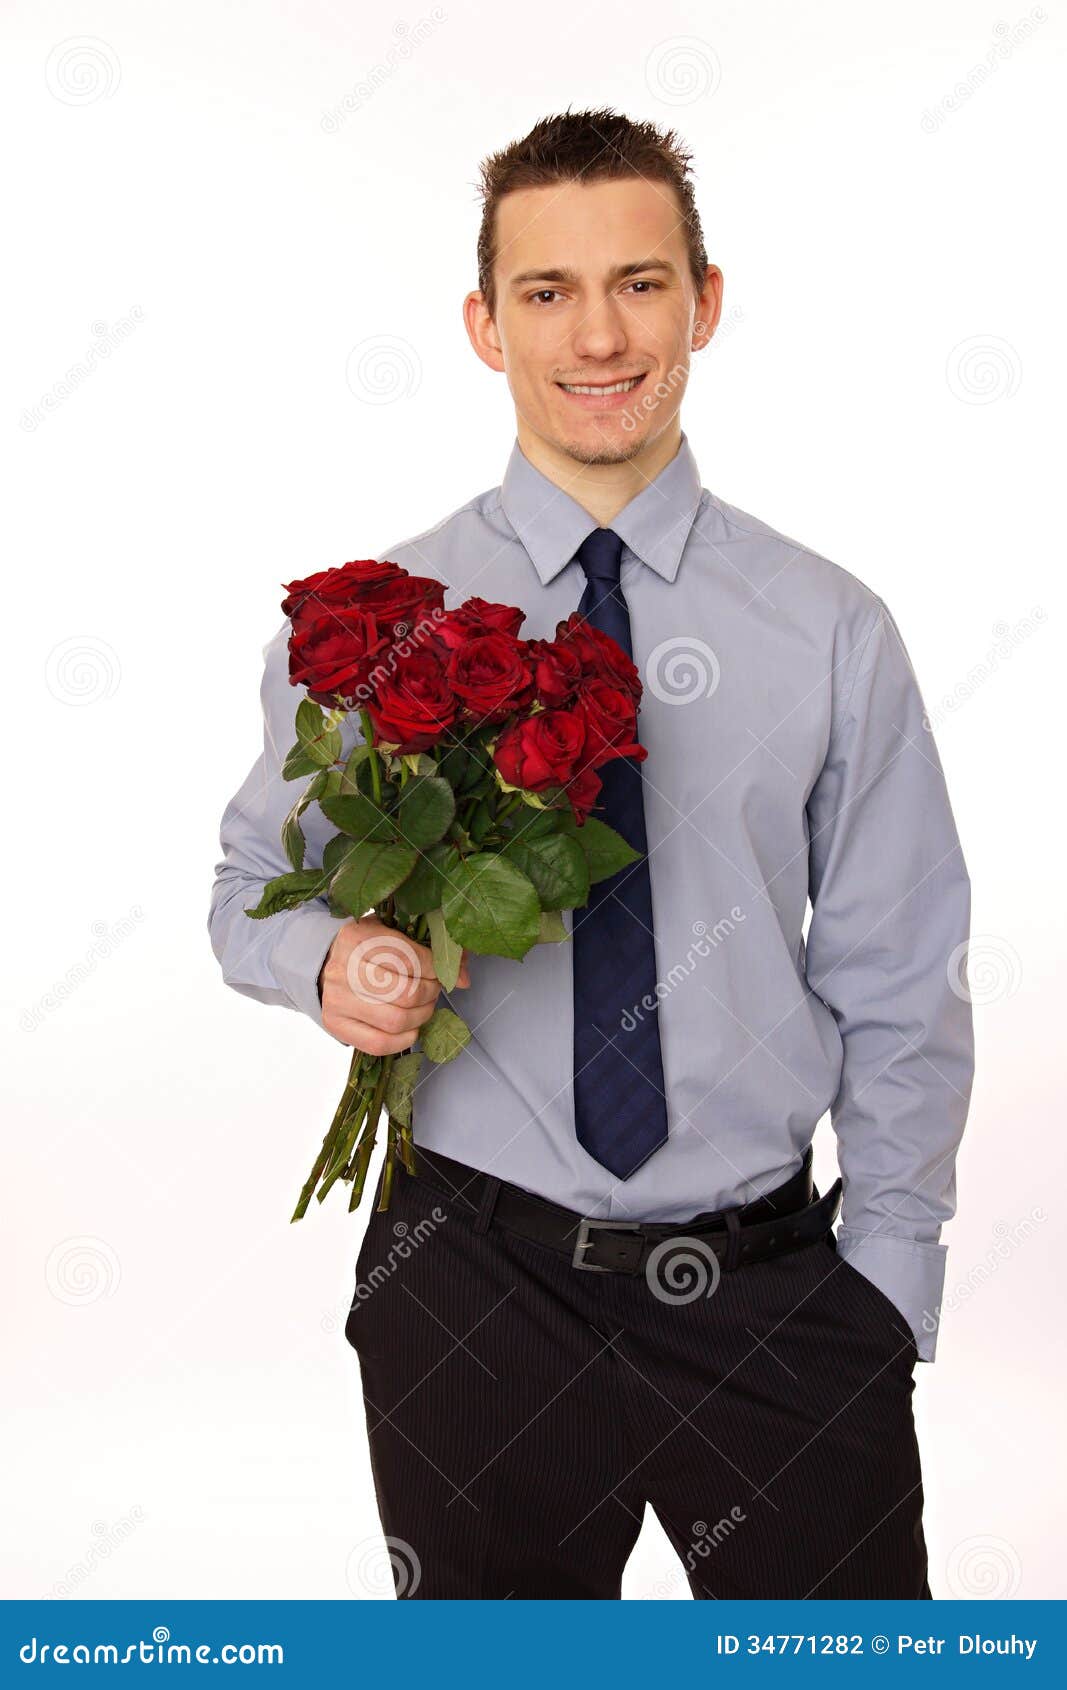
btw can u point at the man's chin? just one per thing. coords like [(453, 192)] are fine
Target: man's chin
[(604, 451)]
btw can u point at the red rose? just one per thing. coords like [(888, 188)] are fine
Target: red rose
[(413, 705), (600, 655), (557, 672), (491, 674), (333, 653), (583, 792), (611, 723), (407, 606), (477, 616), (542, 751), (342, 588)]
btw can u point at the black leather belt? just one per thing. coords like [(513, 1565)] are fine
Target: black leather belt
[(788, 1218)]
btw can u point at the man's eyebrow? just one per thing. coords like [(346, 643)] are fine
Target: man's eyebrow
[(570, 278)]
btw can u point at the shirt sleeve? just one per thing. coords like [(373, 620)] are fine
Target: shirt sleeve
[(886, 944), (275, 961)]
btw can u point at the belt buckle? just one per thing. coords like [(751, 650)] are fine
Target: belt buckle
[(584, 1241)]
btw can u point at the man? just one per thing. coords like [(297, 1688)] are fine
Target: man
[(619, 1285)]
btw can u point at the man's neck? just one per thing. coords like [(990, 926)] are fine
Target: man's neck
[(601, 489)]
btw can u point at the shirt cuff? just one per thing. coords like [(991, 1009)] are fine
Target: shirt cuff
[(299, 953), (910, 1274)]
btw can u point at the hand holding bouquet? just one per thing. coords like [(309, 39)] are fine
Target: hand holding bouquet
[(465, 818)]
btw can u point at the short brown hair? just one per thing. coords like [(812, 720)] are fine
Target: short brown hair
[(593, 146)]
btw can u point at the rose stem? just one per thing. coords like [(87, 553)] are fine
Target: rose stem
[(330, 1141)]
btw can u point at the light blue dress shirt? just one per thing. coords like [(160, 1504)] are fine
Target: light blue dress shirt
[(788, 760)]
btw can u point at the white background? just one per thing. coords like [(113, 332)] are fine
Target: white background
[(233, 201)]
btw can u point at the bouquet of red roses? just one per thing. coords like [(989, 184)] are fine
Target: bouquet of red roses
[(464, 819)]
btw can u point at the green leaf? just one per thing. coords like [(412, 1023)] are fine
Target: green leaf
[(293, 839), (605, 850), (400, 1085), (297, 763), (356, 774), (447, 955), (369, 873), (529, 824), (358, 816), (319, 741), (425, 811), (481, 822), (444, 1035), (553, 928), (557, 867), (424, 887), (453, 766), (288, 891), (491, 907)]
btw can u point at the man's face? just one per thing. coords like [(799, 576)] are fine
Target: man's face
[(594, 292)]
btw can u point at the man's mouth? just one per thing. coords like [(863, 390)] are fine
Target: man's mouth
[(601, 389)]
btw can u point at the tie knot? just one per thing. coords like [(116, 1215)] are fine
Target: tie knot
[(600, 555)]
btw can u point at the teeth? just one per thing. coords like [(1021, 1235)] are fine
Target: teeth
[(619, 387)]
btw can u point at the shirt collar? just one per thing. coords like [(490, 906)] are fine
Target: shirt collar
[(551, 525)]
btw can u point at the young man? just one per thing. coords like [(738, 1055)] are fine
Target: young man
[(620, 1285)]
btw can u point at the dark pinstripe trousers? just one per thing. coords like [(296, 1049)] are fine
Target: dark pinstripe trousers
[(521, 1413)]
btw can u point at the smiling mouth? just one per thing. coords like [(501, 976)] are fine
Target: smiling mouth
[(601, 390)]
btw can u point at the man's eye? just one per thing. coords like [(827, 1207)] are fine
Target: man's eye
[(539, 295), (644, 284)]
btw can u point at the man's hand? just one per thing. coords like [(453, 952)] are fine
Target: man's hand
[(377, 987)]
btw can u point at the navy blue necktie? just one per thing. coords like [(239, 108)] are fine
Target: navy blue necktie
[(620, 1110)]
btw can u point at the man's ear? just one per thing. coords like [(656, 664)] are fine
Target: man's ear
[(482, 331), (709, 308)]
